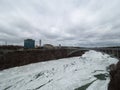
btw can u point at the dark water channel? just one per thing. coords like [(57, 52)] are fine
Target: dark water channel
[(98, 76)]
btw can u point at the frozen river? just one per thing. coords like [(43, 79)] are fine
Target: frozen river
[(88, 72)]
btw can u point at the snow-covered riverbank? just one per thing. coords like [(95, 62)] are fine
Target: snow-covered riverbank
[(87, 72)]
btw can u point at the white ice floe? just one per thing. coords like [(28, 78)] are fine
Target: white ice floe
[(62, 74)]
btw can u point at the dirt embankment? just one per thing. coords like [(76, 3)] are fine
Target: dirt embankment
[(115, 77)]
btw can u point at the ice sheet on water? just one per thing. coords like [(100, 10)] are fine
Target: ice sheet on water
[(63, 74)]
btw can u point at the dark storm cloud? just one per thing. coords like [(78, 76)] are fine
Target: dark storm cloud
[(69, 22)]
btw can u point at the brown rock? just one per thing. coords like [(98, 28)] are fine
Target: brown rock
[(115, 78)]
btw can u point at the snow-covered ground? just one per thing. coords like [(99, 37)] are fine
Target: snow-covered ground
[(87, 72)]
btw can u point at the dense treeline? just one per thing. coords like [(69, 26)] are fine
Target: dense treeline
[(10, 47)]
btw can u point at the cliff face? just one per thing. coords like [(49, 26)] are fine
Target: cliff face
[(115, 77)]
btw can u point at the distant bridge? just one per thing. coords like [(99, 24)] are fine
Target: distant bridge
[(114, 52)]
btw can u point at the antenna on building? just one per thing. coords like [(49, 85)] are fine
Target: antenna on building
[(6, 43)]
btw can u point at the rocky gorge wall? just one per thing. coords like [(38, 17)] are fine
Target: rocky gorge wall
[(19, 58), (114, 83)]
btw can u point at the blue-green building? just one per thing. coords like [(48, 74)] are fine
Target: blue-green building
[(29, 43)]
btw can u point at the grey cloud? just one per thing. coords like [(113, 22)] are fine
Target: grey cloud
[(70, 22)]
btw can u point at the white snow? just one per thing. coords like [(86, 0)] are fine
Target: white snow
[(62, 74)]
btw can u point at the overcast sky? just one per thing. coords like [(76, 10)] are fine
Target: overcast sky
[(66, 22)]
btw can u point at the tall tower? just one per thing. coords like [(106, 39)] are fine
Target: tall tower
[(40, 42)]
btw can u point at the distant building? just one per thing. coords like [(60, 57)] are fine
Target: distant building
[(48, 46), (29, 43)]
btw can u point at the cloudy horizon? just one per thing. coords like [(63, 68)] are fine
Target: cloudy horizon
[(66, 22)]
